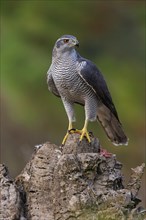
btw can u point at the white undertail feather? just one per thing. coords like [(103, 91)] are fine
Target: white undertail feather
[(112, 126)]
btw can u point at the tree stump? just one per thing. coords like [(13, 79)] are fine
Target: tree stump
[(73, 182)]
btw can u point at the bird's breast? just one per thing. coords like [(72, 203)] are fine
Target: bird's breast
[(68, 83)]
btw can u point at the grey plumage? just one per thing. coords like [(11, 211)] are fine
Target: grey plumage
[(77, 80)]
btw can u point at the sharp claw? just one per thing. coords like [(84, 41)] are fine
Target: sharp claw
[(86, 135), (83, 133), (65, 138), (70, 131), (90, 134)]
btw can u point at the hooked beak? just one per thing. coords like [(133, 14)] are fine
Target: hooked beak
[(76, 43)]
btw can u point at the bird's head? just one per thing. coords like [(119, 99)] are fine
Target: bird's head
[(66, 43)]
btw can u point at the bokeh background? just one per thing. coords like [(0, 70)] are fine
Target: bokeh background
[(111, 34)]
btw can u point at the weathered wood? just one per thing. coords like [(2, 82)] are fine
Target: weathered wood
[(73, 182), (11, 203)]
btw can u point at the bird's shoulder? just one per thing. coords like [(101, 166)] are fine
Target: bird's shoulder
[(85, 64), (89, 71)]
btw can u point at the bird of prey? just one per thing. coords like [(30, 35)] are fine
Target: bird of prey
[(77, 80)]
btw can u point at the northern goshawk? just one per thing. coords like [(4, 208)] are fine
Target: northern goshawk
[(77, 80)]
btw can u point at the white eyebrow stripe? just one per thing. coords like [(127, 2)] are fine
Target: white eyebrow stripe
[(63, 38)]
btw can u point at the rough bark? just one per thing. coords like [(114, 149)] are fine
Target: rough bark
[(73, 182)]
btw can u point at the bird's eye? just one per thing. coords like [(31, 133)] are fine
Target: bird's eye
[(66, 41)]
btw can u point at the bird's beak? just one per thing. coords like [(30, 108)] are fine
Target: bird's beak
[(76, 43)]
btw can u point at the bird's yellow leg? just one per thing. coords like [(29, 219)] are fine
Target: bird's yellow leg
[(84, 132), (66, 136)]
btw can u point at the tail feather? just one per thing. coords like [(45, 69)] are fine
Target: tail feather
[(112, 126)]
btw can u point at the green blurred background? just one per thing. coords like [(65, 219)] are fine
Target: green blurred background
[(111, 34)]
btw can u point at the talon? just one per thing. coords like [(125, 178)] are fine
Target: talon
[(84, 133), (91, 134), (67, 134), (65, 138)]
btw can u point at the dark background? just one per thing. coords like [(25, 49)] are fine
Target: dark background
[(111, 34)]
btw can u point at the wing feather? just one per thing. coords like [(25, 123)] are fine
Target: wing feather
[(93, 77), (51, 84)]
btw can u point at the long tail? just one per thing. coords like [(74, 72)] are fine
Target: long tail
[(112, 126)]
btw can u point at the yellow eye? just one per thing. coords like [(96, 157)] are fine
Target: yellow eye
[(66, 41)]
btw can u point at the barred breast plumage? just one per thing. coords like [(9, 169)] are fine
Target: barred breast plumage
[(68, 82)]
